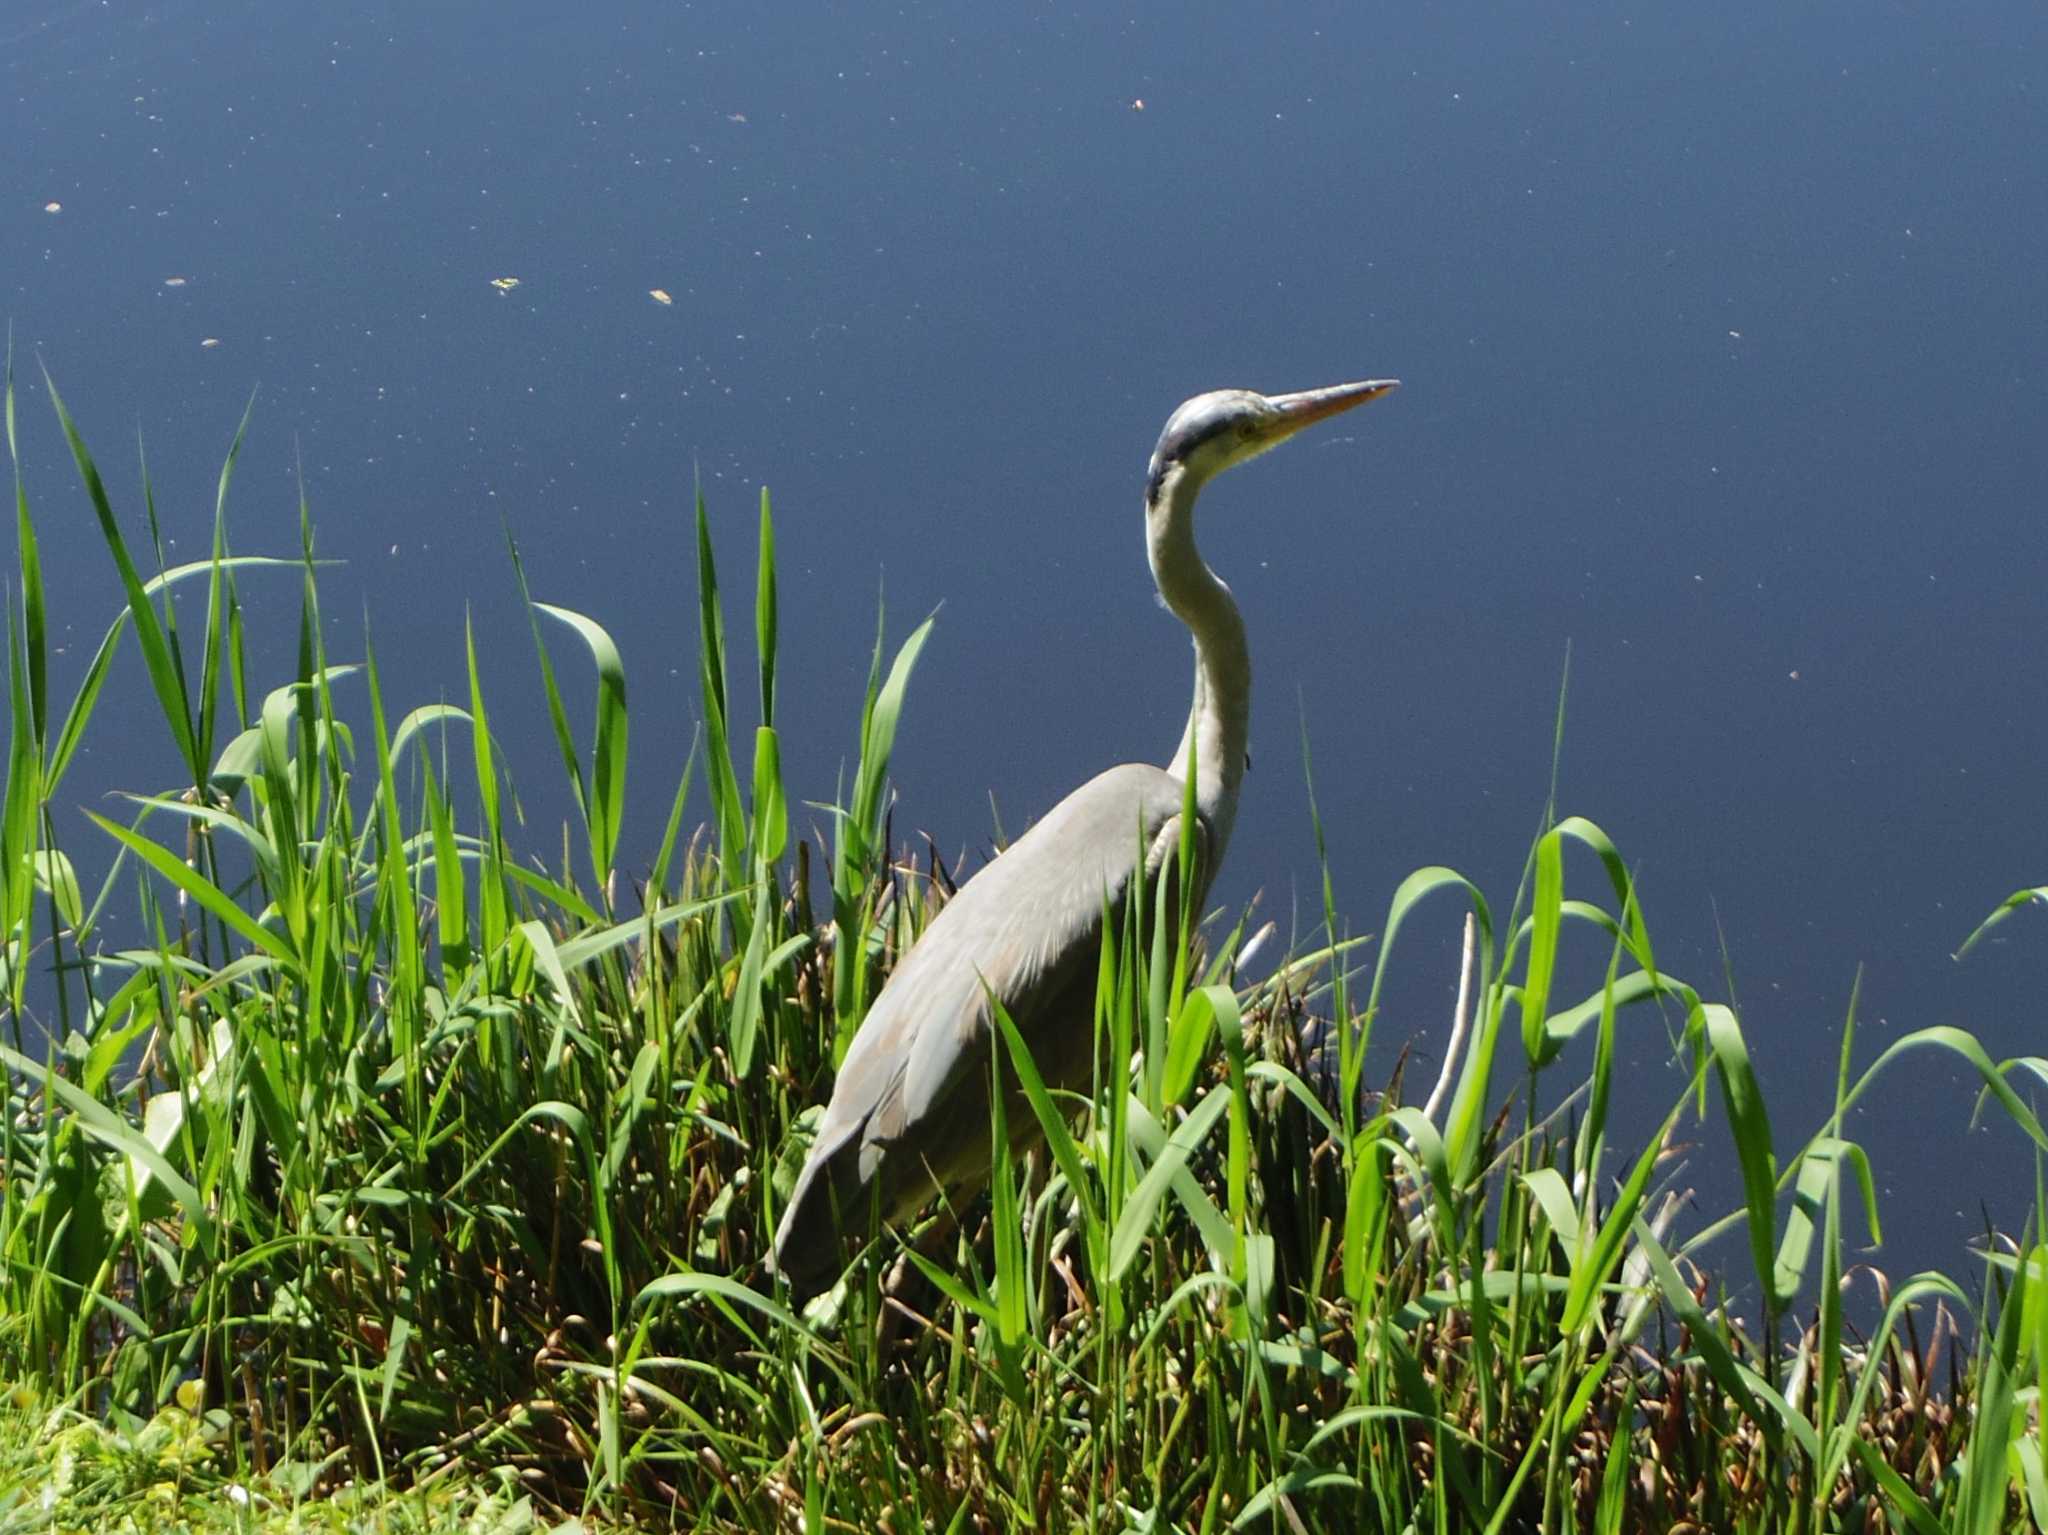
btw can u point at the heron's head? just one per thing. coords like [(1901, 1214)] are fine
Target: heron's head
[(1215, 431)]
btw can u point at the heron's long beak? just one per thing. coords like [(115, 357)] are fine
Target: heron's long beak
[(1296, 411)]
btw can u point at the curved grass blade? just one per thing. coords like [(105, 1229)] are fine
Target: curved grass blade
[(1051, 1121), (165, 676), (2035, 896), (1818, 1172), (1960, 1042), (82, 703), (1258, 1508), (1750, 1124), (860, 828), (1583, 831), (201, 889), (108, 1127), (686, 1287), (1603, 1255), (1134, 1222), (607, 802), (1750, 1392), (1468, 1103)]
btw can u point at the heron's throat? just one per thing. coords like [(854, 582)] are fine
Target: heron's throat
[(1219, 718)]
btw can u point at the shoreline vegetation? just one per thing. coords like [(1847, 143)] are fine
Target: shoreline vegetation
[(390, 1157)]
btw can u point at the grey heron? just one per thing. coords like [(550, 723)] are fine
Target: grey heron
[(909, 1113)]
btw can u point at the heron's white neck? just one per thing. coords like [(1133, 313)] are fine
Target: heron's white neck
[(1219, 719)]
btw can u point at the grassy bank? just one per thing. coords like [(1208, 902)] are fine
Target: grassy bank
[(389, 1154)]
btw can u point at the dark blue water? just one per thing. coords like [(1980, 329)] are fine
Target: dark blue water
[(1722, 330)]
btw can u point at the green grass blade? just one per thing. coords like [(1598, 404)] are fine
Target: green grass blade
[(395, 890), (450, 884), (607, 805), (491, 902), (165, 678), (1188, 1038), (108, 1127), (1051, 1120), (726, 810), (1962, 1043), (597, 941), (1592, 1137), (658, 877), (1542, 962), (686, 1287), (1846, 1434), (771, 808), (1920, 1519), (1584, 832), (17, 821), (200, 889), (28, 560), (1603, 1255), (1758, 1400), (80, 713), (216, 638), (1134, 1221), (558, 716), (855, 853), (1813, 1191), (765, 611), (1981, 1508), (1750, 1125), (745, 1029), (878, 736), (1008, 1219), (2035, 895)]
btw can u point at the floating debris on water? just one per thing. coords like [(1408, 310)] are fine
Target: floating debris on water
[(53, 207), (504, 284), (174, 282), (660, 295)]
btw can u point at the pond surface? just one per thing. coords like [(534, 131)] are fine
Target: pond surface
[(1722, 333)]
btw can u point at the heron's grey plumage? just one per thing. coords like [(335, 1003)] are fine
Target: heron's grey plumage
[(909, 1113)]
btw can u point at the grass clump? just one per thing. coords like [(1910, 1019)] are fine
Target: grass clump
[(383, 1155), (65, 1473)]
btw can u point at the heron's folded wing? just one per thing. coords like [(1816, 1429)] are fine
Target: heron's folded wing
[(1028, 930)]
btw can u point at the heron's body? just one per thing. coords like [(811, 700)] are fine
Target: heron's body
[(909, 1114)]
